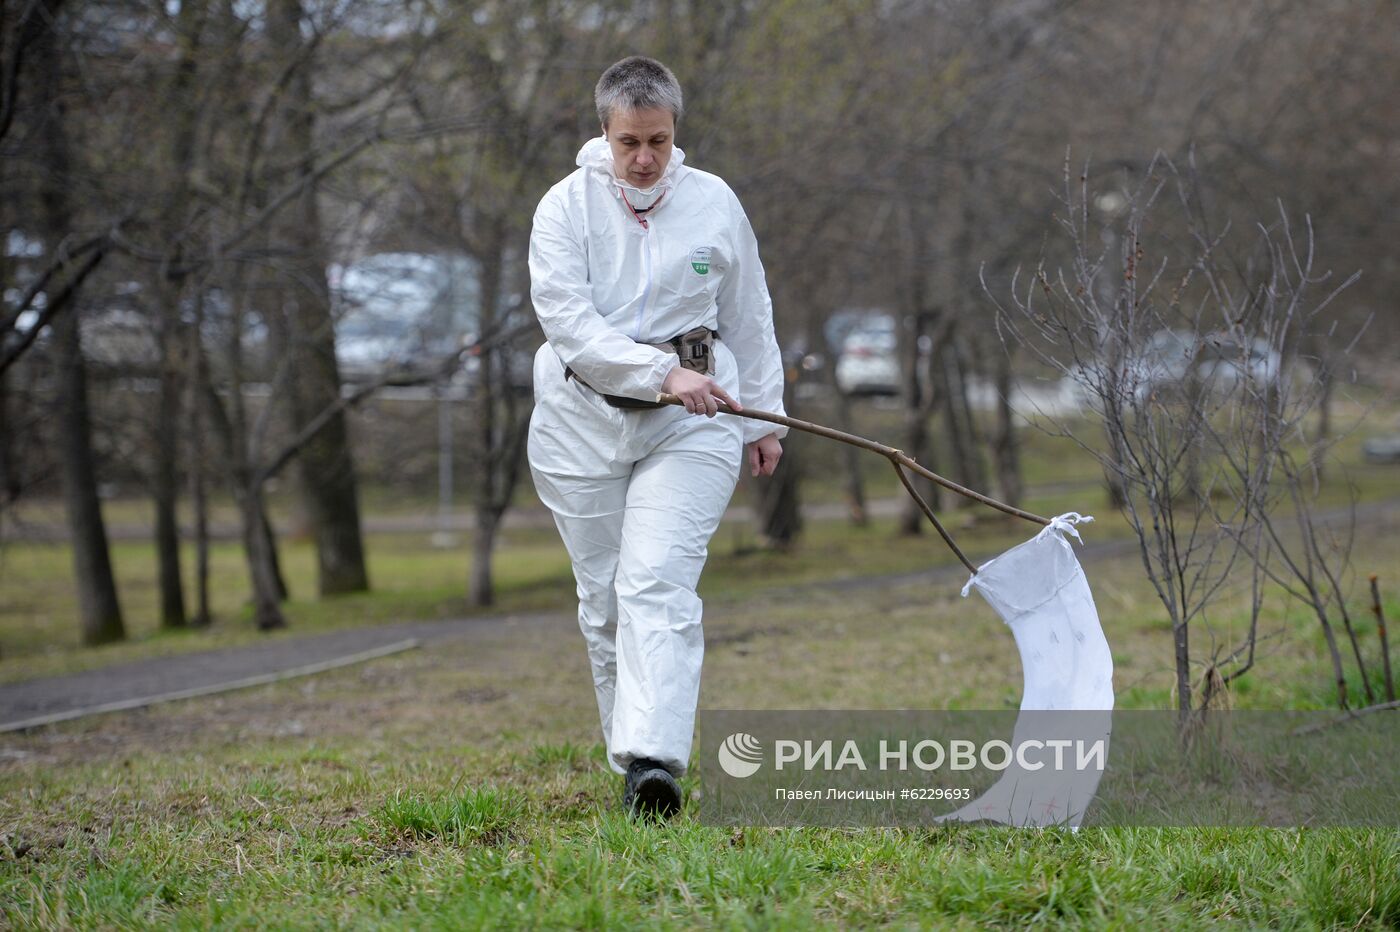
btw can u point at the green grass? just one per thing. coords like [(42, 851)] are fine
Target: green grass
[(481, 815), (463, 787), (553, 866)]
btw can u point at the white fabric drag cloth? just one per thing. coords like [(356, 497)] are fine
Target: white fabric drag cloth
[(1040, 591)]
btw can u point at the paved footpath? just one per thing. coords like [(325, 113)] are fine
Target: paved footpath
[(32, 703), (131, 685)]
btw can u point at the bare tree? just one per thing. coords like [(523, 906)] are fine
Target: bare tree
[(169, 293), (1188, 365), (303, 314), (97, 590), (475, 201)]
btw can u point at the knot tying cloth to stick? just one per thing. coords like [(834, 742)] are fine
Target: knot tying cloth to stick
[(1066, 524), (901, 462)]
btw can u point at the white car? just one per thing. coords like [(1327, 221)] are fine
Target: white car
[(1219, 362), (1222, 362), (1382, 449), (404, 310), (396, 309), (1163, 361), (868, 363)]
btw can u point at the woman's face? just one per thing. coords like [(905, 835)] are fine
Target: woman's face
[(641, 145)]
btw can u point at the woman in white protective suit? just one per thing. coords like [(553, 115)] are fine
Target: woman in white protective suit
[(646, 278)]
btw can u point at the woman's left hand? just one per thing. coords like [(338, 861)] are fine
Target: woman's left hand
[(764, 454)]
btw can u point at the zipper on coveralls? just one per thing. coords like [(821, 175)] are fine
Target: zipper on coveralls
[(646, 289), (647, 249)]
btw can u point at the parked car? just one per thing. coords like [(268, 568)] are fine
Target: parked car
[(398, 309), (1384, 449), (867, 358), (1222, 362), (1162, 361), (410, 310)]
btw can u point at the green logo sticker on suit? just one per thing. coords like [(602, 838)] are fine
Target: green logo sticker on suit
[(700, 259)]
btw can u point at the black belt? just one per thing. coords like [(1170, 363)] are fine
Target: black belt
[(695, 349)]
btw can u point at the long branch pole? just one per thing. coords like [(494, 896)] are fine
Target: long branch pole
[(938, 525), (896, 456)]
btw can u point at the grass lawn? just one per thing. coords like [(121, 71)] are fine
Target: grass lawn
[(464, 786)]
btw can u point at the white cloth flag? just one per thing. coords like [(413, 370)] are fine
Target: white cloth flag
[(1040, 591)]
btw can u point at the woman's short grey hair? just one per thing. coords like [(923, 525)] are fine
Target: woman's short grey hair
[(637, 83)]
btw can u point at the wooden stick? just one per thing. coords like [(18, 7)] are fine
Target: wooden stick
[(899, 457), (1385, 645), (923, 506)]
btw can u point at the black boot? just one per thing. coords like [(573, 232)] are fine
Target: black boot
[(650, 790)]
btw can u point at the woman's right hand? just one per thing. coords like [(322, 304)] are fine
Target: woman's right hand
[(699, 393)]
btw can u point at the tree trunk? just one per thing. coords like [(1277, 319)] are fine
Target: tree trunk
[(195, 440), (779, 498), (183, 121), (165, 482), (258, 545), (10, 483), (850, 458), (920, 395), (199, 499), (911, 518), (327, 470), (779, 502), (500, 425), (278, 582), (482, 589), (97, 589), (1006, 443), (959, 424), (1378, 609), (1181, 644), (9, 472), (1324, 404), (485, 491)]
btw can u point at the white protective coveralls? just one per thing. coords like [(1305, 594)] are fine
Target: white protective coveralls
[(637, 494)]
